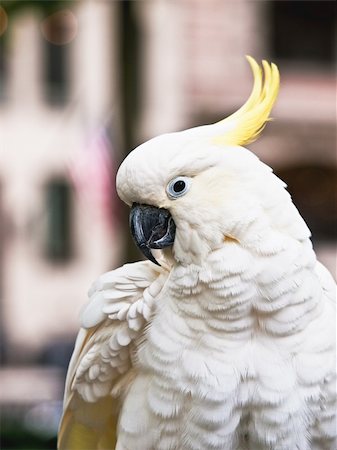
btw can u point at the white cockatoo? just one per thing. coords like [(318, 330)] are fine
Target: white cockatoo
[(225, 338)]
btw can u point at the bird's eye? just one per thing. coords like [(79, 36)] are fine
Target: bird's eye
[(178, 187)]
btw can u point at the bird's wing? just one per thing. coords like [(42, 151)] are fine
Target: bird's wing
[(101, 367)]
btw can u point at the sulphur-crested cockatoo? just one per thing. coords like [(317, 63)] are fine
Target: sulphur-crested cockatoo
[(224, 338)]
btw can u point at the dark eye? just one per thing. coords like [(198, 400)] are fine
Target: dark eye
[(178, 187)]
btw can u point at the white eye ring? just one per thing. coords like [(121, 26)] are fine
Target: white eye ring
[(178, 187)]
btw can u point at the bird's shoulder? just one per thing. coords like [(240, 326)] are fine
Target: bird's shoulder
[(120, 304)]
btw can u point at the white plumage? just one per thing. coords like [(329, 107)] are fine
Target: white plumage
[(230, 344)]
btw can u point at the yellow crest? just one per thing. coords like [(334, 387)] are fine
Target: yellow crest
[(246, 124)]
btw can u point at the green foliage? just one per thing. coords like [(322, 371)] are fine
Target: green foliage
[(46, 6), (18, 438)]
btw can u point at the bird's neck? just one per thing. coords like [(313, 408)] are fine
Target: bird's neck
[(239, 291)]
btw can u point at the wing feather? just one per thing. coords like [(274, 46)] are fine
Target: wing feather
[(101, 367)]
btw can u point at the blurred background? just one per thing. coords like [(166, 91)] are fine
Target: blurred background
[(81, 84)]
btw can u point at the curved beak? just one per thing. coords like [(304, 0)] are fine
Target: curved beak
[(151, 228)]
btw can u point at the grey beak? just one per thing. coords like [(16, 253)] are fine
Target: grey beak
[(151, 228)]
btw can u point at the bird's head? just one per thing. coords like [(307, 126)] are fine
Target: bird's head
[(195, 189)]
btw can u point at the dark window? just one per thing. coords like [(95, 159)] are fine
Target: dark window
[(3, 67), (3, 342), (3, 49), (313, 190), (56, 31), (129, 51), (59, 224), (56, 79), (302, 31)]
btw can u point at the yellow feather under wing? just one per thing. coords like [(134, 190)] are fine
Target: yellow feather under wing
[(94, 428), (246, 124), (84, 425)]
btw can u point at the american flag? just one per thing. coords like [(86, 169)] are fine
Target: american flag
[(93, 175)]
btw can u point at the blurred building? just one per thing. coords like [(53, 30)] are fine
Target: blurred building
[(95, 78), (56, 121)]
